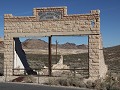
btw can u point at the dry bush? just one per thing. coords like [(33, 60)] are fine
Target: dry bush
[(67, 81), (111, 82), (25, 79), (52, 81), (29, 79)]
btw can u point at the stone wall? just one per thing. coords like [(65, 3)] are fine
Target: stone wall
[(78, 24), (94, 55)]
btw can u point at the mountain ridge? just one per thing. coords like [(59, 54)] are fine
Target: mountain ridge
[(40, 44)]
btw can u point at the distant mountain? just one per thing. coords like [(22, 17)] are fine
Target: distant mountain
[(83, 46), (34, 44), (68, 46), (40, 44)]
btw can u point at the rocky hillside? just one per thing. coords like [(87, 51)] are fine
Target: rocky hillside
[(112, 57), (34, 44), (40, 44), (72, 46)]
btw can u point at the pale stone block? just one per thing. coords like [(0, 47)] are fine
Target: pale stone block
[(69, 23), (92, 67)]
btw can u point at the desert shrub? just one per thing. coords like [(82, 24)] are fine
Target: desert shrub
[(25, 79), (67, 81), (29, 79), (52, 81), (111, 82), (63, 81)]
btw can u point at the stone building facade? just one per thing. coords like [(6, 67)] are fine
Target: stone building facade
[(54, 21)]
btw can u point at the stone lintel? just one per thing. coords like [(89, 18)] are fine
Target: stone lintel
[(51, 34)]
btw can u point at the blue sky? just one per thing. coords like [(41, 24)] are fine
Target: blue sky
[(110, 15)]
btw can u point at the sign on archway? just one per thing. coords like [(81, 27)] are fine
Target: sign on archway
[(55, 21)]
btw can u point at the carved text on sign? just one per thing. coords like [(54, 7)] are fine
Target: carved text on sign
[(50, 15)]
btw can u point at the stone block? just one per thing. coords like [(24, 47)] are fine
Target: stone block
[(67, 24), (94, 67), (93, 72)]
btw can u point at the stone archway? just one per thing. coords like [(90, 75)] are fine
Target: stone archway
[(52, 21)]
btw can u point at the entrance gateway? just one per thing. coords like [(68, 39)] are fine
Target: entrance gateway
[(54, 21)]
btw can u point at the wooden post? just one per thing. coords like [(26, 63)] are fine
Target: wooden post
[(56, 50), (49, 57)]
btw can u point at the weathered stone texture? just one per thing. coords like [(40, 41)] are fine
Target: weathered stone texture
[(78, 24), (94, 55), (49, 26)]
